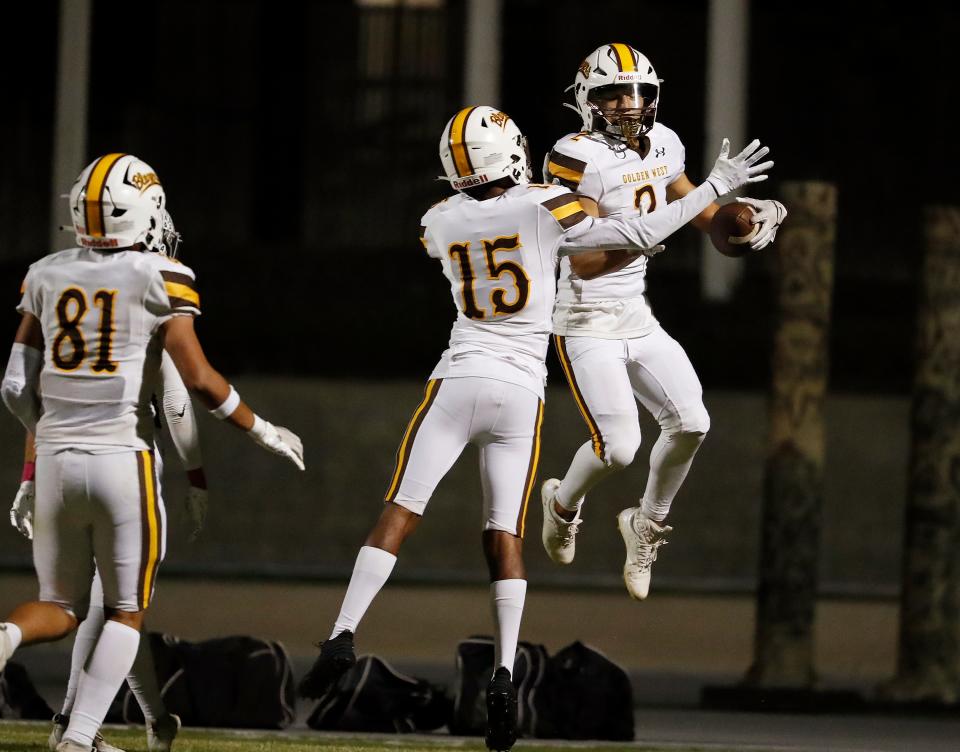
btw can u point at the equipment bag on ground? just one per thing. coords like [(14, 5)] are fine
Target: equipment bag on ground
[(19, 698), (373, 696), (585, 695), (236, 682), (474, 669)]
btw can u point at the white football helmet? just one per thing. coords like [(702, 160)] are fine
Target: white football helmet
[(608, 73), (117, 202), (480, 145)]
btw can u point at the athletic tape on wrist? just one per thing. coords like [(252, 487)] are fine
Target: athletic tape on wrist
[(227, 407)]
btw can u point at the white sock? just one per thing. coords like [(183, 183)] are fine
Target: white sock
[(370, 572), (143, 682), (506, 598), (670, 461), (14, 633), (585, 471), (87, 635), (100, 680)]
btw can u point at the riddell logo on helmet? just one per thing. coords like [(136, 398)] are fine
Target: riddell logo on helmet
[(100, 242), (469, 182), (629, 78), (143, 182)]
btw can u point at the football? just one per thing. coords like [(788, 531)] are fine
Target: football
[(731, 231)]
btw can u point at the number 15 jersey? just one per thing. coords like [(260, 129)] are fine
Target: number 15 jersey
[(100, 313), (500, 256)]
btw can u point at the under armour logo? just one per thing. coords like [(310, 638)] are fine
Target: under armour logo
[(659, 152)]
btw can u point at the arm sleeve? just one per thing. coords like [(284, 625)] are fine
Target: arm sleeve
[(172, 291), (179, 416), (634, 233), (29, 299), (20, 385), (581, 176)]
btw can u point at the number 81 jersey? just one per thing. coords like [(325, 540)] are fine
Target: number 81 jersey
[(100, 313), (500, 257)]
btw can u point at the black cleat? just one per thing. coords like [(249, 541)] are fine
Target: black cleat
[(336, 658), (501, 711)]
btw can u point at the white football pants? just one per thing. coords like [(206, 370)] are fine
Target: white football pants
[(502, 419), (103, 508), (607, 378)]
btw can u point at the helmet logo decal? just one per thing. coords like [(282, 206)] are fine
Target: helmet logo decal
[(585, 69), (461, 159), (144, 181), (499, 118), (94, 193)]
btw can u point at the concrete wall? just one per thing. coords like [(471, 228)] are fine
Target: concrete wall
[(268, 519)]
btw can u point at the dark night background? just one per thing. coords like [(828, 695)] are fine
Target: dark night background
[(297, 145)]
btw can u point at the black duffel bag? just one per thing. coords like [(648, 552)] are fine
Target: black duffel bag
[(235, 682), (373, 696)]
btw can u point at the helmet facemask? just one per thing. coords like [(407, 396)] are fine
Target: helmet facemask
[(630, 122), (170, 239)]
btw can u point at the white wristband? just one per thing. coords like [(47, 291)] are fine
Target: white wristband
[(226, 408)]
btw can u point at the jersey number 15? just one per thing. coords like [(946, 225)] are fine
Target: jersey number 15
[(498, 296)]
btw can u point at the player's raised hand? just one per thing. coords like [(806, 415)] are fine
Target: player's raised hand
[(729, 173), (21, 513), (278, 440), (769, 215)]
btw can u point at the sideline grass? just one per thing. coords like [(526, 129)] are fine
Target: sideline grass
[(21, 736)]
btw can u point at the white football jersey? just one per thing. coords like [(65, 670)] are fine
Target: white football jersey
[(624, 184), (500, 256), (100, 313)]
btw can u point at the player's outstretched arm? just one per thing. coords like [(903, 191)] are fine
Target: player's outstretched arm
[(643, 233), (180, 341), (21, 381), (184, 432)]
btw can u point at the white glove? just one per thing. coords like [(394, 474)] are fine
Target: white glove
[(21, 513), (728, 174), (278, 440), (196, 506), (769, 215), (650, 252)]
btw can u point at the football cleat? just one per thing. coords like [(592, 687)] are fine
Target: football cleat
[(501, 711), (162, 732), (642, 537), (559, 535), (337, 656), (68, 745), (60, 723)]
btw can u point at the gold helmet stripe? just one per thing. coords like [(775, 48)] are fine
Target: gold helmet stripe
[(94, 193), (624, 57), (461, 159)]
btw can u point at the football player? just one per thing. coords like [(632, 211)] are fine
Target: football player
[(81, 372), (497, 240), (613, 351), (162, 726)]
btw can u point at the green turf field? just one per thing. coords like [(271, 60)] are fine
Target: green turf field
[(16, 736)]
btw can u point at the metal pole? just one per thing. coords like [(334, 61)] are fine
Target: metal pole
[(481, 75), (728, 37), (70, 126)]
